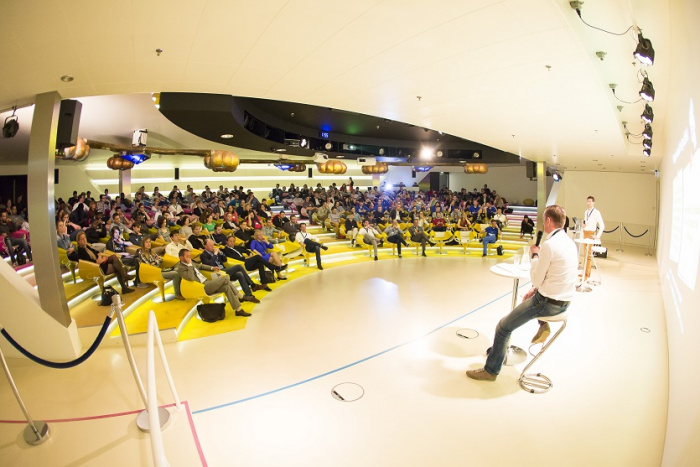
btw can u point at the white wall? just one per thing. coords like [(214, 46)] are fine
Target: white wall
[(620, 197), (679, 243), (510, 182)]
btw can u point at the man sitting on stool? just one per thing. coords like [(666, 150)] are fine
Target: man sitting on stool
[(553, 277), (213, 257), (394, 234), (370, 235), (188, 270), (310, 243)]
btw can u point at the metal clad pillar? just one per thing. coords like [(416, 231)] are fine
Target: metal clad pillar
[(541, 194), (40, 178), (125, 182)]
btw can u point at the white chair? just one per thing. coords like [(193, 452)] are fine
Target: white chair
[(537, 383)]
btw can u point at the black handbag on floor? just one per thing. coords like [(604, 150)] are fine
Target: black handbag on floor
[(499, 250), (269, 277), (211, 312), (107, 295)]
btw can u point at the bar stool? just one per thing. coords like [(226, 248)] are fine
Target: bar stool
[(537, 383)]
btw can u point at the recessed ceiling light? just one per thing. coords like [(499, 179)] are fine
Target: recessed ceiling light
[(227, 136), (67, 78), (280, 150)]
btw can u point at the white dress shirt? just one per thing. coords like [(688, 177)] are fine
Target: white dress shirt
[(592, 221), (174, 250), (554, 272)]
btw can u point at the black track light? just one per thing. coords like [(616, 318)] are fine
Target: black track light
[(644, 51), (647, 92), (648, 114), (646, 152), (11, 126), (647, 133), (646, 143)]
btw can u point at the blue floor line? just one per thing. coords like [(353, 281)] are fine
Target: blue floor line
[(239, 401)]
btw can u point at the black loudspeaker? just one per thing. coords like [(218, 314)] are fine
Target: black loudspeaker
[(55, 176), (413, 174), (68, 124), (311, 172), (177, 173), (531, 169)]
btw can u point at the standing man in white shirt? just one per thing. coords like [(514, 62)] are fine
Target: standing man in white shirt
[(553, 273), (593, 227)]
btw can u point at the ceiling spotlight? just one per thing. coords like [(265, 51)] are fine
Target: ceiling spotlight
[(303, 143), (644, 51), (66, 78), (381, 151), (11, 126), (556, 176), (648, 114), (476, 155), (328, 146), (440, 153), (646, 152), (647, 133), (426, 153), (227, 136), (646, 143), (647, 92)]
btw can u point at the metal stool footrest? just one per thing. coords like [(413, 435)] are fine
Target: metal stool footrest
[(535, 383)]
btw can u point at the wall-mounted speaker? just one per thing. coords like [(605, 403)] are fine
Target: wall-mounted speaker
[(55, 176), (177, 173), (311, 172), (413, 174), (531, 169), (68, 123)]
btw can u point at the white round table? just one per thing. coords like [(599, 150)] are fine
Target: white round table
[(588, 242), (515, 354)]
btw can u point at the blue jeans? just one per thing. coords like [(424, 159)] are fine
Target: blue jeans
[(488, 239), (531, 308)]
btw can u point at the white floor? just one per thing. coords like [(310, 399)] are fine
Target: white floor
[(262, 396)]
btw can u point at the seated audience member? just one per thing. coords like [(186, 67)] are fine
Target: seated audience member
[(94, 233), (310, 243), (218, 236), (230, 222), (527, 226), (271, 233), (463, 224), (188, 270), (351, 229), (292, 227), (370, 235), (108, 263), (245, 233), (394, 234), (439, 224), (135, 237), (333, 222), (63, 239), (185, 227), (197, 238), (209, 224), (492, 234), (259, 246), (117, 244), (147, 256), (280, 220), (213, 257), (418, 235), (7, 229), (176, 244), (500, 218)]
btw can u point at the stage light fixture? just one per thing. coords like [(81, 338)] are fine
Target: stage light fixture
[(556, 176), (11, 126), (647, 152), (647, 92), (644, 51), (646, 143), (426, 153), (647, 133), (648, 114)]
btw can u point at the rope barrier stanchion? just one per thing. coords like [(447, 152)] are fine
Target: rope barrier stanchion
[(36, 432), (142, 420), (620, 240), (649, 247), (636, 236)]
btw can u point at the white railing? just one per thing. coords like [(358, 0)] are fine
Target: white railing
[(156, 417)]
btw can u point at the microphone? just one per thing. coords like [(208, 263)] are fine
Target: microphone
[(539, 238)]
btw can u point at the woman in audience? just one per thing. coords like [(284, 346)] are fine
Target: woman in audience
[(198, 237), (109, 264), (260, 247), (163, 231), (209, 223), (185, 228)]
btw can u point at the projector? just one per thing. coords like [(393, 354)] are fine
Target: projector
[(139, 138), (320, 157), (366, 161)]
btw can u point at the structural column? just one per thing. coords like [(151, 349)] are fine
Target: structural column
[(541, 194), (125, 182), (40, 181)]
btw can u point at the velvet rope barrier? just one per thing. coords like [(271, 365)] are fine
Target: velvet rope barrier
[(61, 365), (636, 236), (611, 231)]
